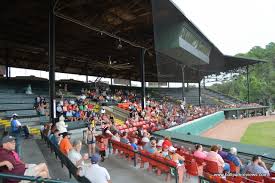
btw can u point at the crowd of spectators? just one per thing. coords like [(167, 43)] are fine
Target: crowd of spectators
[(41, 106), (240, 105), (142, 140)]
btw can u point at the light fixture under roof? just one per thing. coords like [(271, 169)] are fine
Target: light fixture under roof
[(119, 46)]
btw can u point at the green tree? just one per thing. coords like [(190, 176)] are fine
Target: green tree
[(262, 78)]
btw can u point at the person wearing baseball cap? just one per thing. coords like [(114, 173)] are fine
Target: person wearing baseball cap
[(15, 165), (101, 175), (172, 155), (16, 129)]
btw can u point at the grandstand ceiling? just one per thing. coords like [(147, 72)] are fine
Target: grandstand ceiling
[(80, 50)]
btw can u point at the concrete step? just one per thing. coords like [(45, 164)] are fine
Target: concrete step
[(10, 100), (21, 113), (9, 107)]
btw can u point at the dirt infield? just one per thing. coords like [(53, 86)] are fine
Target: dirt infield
[(233, 130)]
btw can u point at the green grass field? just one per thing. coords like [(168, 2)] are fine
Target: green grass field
[(261, 134)]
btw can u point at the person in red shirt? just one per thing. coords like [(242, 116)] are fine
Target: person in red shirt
[(102, 149), (15, 166), (167, 142)]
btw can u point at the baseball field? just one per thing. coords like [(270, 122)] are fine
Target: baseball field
[(262, 134), (257, 131)]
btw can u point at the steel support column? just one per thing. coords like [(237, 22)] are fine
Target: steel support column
[(87, 79), (142, 73), (248, 82), (199, 74), (199, 93), (87, 72), (52, 61), (7, 64), (183, 87)]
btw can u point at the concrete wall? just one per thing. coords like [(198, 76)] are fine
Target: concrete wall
[(198, 126)]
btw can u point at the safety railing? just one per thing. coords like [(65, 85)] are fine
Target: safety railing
[(4, 177), (64, 160)]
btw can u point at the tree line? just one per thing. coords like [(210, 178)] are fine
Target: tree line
[(261, 78)]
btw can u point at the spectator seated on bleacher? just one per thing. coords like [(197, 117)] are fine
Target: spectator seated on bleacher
[(232, 157), (257, 166), (15, 165), (95, 173), (151, 146), (134, 144), (60, 125), (199, 153), (116, 136), (165, 151), (124, 138), (145, 138), (74, 155), (65, 145), (55, 138), (222, 153), (214, 156), (167, 141), (172, 155)]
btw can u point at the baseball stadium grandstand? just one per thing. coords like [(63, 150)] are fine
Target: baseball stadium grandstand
[(169, 127)]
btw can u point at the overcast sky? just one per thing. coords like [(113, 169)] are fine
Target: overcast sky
[(234, 26)]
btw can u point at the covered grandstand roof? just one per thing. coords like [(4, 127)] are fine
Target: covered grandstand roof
[(89, 35)]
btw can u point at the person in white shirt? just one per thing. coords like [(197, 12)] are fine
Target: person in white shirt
[(60, 125), (74, 155), (95, 173), (146, 137)]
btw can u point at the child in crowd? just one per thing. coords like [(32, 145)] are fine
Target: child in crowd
[(102, 149)]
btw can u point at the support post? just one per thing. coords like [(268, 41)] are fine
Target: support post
[(7, 64), (199, 93), (52, 61), (142, 73), (183, 87), (111, 81), (247, 80), (87, 72), (199, 76)]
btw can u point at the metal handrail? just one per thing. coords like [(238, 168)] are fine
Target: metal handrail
[(62, 158), (29, 178)]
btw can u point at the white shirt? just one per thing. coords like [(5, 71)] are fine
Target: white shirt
[(17, 122), (75, 156), (95, 173), (145, 139)]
